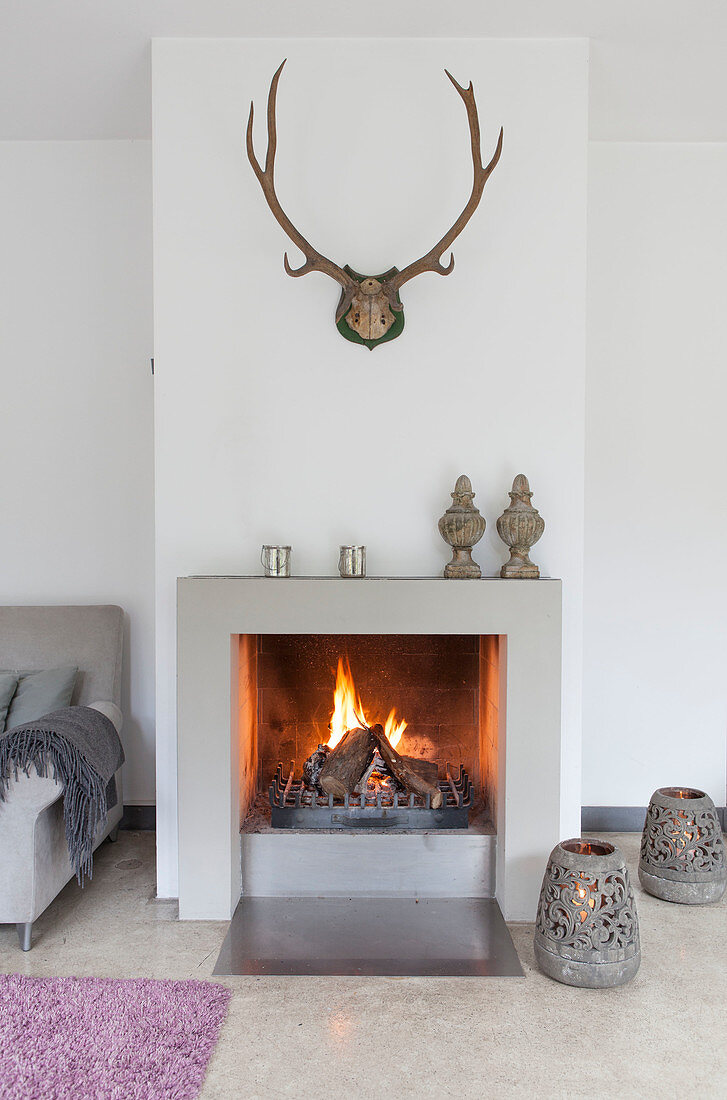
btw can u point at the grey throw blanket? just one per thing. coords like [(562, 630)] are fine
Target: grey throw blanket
[(80, 748)]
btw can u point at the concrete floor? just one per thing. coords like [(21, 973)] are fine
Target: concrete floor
[(664, 1035)]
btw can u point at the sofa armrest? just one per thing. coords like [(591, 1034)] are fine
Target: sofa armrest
[(115, 812), (29, 795), (111, 711)]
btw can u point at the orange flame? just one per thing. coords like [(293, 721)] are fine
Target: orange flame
[(348, 711), (394, 729)]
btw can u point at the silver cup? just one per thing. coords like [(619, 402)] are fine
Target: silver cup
[(276, 560), (352, 561)]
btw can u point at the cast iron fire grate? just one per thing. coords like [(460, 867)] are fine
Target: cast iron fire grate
[(297, 806)]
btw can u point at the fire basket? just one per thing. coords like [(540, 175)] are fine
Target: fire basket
[(297, 806)]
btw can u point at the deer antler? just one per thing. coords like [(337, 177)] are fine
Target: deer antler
[(314, 261), (432, 260)]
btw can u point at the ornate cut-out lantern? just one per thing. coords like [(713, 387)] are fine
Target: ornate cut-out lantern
[(682, 851), (587, 931)]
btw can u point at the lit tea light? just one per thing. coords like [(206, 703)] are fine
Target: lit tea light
[(581, 894), (588, 847)]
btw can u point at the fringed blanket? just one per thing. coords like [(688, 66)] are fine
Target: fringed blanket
[(80, 748)]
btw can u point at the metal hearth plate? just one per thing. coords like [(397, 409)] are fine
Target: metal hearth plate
[(392, 937)]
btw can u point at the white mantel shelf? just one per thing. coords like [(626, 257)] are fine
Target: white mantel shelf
[(348, 580), (211, 610)]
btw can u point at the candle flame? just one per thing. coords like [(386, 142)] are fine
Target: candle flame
[(583, 893)]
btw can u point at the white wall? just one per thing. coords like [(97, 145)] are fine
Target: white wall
[(76, 446), (270, 427), (75, 338), (655, 704), (657, 69)]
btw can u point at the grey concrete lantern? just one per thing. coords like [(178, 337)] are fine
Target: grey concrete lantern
[(587, 931), (682, 851)]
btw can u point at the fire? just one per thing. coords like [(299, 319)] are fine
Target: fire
[(394, 729), (348, 711)]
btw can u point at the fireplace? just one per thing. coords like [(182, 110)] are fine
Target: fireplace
[(373, 731), (473, 667)]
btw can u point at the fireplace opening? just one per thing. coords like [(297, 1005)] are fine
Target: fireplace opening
[(379, 732)]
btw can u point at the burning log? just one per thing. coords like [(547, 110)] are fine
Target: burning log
[(403, 771), (425, 769), (347, 767), (376, 765), (313, 767), (347, 762)]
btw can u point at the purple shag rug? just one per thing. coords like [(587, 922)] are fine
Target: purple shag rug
[(121, 1039)]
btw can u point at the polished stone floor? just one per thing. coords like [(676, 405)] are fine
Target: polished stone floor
[(664, 1035)]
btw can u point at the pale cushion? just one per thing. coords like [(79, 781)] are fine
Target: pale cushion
[(38, 693), (8, 684)]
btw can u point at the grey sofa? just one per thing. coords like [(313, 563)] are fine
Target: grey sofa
[(34, 864)]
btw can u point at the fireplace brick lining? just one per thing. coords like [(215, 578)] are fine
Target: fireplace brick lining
[(433, 681)]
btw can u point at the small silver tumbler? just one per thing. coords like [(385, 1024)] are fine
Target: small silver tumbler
[(352, 561), (276, 560)]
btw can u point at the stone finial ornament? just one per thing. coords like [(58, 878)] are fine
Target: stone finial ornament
[(462, 526), (520, 526)]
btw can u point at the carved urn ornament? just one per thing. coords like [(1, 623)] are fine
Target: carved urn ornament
[(370, 310), (682, 851), (587, 932), (520, 526), (462, 527)]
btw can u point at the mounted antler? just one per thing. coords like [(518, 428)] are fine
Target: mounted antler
[(364, 312), (432, 260), (314, 261)]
